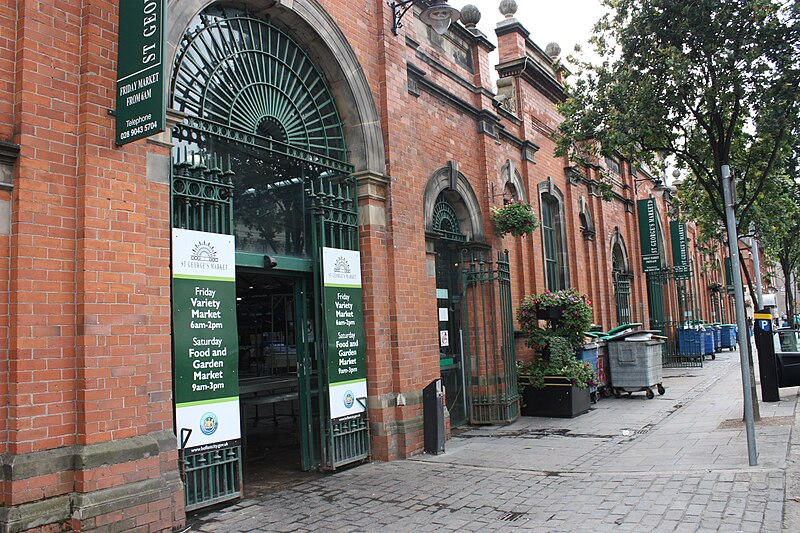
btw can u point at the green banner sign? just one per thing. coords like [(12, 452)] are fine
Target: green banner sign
[(141, 88), (206, 346), (728, 276), (344, 325), (680, 250), (648, 234)]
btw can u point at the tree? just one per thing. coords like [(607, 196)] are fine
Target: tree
[(707, 82), (780, 234)]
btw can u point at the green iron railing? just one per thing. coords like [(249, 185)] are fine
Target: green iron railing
[(489, 352), (202, 200), (335, 211), (673, 307), (202, 193), (211, 477), (622, 295)]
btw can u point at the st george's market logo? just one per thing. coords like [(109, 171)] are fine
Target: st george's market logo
[(204, 257), (342, 270)]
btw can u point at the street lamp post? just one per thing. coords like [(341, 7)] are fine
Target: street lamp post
[(744, 337)]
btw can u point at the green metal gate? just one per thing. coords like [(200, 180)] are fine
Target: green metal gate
[(335, 212), (249, 91), (622, 295), (489, 352), (673, 310), (202, 200)]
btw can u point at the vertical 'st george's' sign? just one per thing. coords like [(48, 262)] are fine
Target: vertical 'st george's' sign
[(141, 91)]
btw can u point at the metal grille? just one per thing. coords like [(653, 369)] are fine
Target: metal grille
[(202, 201), (445, 222), (489, 351), (333, 203), (212, 477), (350, 441), (622, 294), (673, 312), (242, 72), (202, 193)]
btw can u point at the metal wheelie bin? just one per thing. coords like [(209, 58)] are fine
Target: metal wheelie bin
[(635, 363)]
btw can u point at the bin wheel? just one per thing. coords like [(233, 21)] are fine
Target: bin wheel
[(617, 393), (713, 356), (650, 394), (661, 389)]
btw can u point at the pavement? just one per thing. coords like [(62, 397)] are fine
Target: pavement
[(676, 463)]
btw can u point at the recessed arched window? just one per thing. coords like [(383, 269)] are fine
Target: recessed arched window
[(553, 237)]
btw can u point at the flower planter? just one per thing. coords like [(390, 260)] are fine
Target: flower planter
[(550, 313), (559, 398)]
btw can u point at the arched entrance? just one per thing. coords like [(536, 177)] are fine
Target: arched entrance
[(622, 277), (262, 155), (477, 358)]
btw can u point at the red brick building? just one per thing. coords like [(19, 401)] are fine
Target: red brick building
[(310, 124)]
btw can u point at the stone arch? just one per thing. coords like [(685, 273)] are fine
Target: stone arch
[(617, 246), (512, 181), (459, 193), (310, 25), (586, 220)]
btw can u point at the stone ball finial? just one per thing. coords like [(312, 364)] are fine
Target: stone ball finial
[(553, 50), (470, 16), (508, 8)]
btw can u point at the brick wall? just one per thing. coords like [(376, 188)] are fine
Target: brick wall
[(89, 362)]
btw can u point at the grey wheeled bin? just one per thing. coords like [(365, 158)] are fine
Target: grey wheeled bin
[(635, 364)]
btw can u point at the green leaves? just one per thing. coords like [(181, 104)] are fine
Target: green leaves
[(707, 82)]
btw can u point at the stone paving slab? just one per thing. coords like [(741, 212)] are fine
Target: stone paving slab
[(675, 463)]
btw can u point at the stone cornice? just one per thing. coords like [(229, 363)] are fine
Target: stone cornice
[(487, 120), (536, 75), (8, 153)]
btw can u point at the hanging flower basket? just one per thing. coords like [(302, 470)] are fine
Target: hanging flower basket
[(569, 313), (516, 218)]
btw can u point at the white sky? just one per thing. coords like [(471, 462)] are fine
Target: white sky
[(566, 22)]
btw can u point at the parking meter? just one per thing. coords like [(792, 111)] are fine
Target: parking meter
[(766, 356)]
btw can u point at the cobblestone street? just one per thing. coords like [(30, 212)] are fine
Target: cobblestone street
[(674, 463)]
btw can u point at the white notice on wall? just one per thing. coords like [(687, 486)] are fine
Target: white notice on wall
[(444, 338), (444, 315)]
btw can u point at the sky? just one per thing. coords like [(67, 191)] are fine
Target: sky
[(566, 22)]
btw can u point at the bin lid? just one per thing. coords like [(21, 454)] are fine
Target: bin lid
[(639, 335), (623, 327)]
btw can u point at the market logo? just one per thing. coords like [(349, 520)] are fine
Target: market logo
[(209, 423), (342, 266), (205, 252), (349, 399)]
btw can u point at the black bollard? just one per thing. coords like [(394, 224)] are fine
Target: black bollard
[(766, 356)]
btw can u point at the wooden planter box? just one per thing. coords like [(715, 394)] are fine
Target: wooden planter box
[(559, 399)]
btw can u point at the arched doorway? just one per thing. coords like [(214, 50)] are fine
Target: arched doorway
[(477, 358), (261, 155)]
